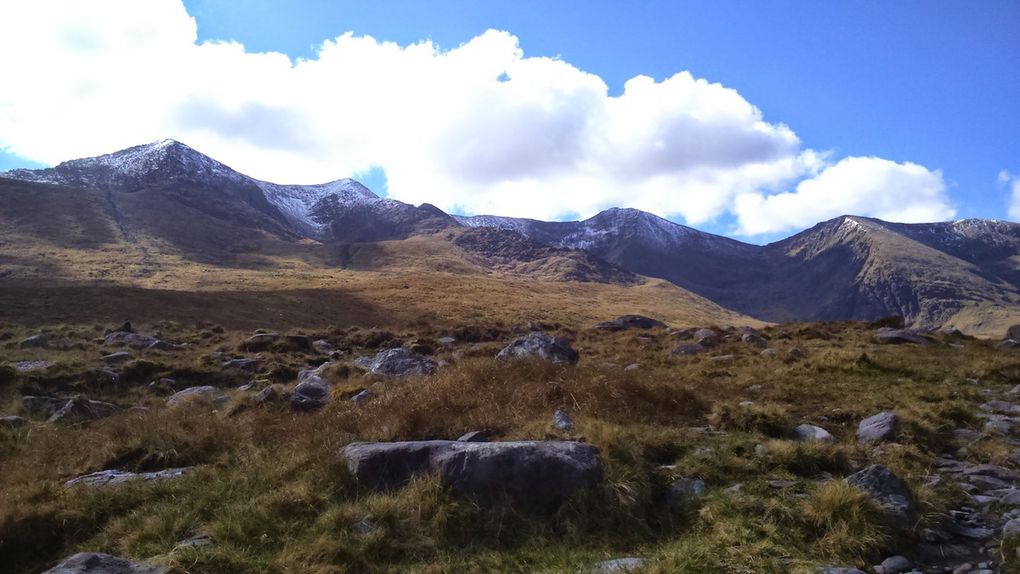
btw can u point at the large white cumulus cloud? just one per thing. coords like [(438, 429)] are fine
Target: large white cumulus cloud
[(480, 128)]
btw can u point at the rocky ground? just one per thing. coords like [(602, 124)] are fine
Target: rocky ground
[(629, 446)]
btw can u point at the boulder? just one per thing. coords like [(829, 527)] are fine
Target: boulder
[(683, 492), (117, 358), (769, 353), (34, 342), (795, 354), (250, 365), (890, 493), (299, 342), (196, 542), (446, 341), (628, 565), (689, 349), (104, 478), (133, 340), (706, 337), (266, 395), (630, 322), (1001, 408), (80, 409), (810, 433), (475, 436), (310, 394), (894, 565), (754, 340), (562, 421), (363, 397), (323, 346), (888, 336), (398, 362), (260, 342), (12, 422), (1009, 344), (878, 428), (44, 406), (532, 475), (205, 391), (1013, 332), (1011, 529), (540, 345), (96, 563)]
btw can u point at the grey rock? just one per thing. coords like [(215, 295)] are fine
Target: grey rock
[(532, 475), (317, 372), (97, 563), (25, 366), (795, 354), (1011, 498), (260, 342), (888, 336), (363, 397), (475, 436), (562, 421), (683, 492), (630, 322), (706, 337), (839, 570), (992, 470), (133, 340), (619, 566), (299, 342), (1009, 344), (266, 395), (754, 340), (807, 433), (323, 346), (973, 533), (446, 341), (398, 362), (542, 346), (896, 565), (34, 342), (104, 478), (632, 367), (205, 391), (117, 358), (310, 394), (196, 542), (891, 493), (80, 409), (160, 345), (1001, 408), (44, 406), (243, 364), (12, 422), (769, 353), (1011, 528), (877, 428), (689, 349)]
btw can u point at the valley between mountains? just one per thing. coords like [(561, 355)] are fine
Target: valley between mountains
[(204, 372)]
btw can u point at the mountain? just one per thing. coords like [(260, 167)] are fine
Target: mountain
[(847, 268), (178, 177)]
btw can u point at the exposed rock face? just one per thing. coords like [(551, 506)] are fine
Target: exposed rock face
[(96, 563), (890, 493), (808, 433), (630, 322), (900, 336), (114, 477), (398, 363), (540, 346), (533, 475), (877, 428)]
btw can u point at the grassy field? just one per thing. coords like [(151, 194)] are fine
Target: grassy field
[(273, 493)]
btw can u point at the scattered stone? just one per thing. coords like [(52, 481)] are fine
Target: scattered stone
[(446, 341), (1001, 407), (196, 542), (631, 322), (769, 353), (689, 349), (706, 337), (538, 345), (894, 565), (299, 342), (632, 367), (363, 397), (754, 340), (781, 484), (398, 362), (250, 365), (266, 395), (97, 563), (683, 492), (889, 492), (323, 346), (1011, 528), (206, 391), (888, 336), (34, 342), (1013, 332), (533, 475), (310, 394), (25, 366), (839, 570), (12, 422), (105, 478), (619, 566), (117, 358), (475, 436), (562, 421), (877, 428), (1009, 344), (260, 342), (795, 354), (80, 409), (809, 433), (133, 340)]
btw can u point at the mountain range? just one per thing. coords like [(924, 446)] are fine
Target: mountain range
[(180, 203)]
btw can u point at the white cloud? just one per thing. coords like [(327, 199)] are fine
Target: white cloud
[(1012, 182), (479, 128), (869, 186)]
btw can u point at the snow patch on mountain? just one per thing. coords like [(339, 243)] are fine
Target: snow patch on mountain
[(298, 202)]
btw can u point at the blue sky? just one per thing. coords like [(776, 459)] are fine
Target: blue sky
[(930, 83)]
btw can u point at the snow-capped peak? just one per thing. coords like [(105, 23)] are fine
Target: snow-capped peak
[(298, 203)]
